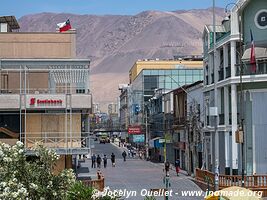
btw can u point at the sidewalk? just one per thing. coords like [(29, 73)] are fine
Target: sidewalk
[(172, 167)]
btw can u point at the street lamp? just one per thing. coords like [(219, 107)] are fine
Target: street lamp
[(240, 130)]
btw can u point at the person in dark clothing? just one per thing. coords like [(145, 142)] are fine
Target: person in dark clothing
[(124, 154), (177, 166), (105, 161), (167, 167), (93, 158), (98, 161), (113, 159)]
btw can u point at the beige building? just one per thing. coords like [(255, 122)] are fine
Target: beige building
[(44, 91), (163, 65)]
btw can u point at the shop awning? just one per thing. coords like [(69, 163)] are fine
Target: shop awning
[(260, 52), (152, 142)]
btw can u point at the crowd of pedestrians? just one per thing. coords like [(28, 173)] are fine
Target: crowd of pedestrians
[(97, 160)]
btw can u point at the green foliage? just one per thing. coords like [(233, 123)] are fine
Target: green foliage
[(23, 179), (80, 192)]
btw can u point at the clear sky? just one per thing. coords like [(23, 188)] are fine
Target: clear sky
[(101, 7)]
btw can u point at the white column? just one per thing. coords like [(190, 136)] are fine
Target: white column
[(226, 134), (234, 152), (233, 58), (225, 59)]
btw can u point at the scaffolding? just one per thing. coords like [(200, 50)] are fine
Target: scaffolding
[(52, 100)]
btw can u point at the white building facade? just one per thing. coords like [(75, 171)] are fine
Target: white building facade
[(241, 91)]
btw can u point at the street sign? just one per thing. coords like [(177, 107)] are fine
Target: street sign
[(134, 129), (139, 138)]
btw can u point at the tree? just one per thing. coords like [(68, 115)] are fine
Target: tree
[(32, 179)]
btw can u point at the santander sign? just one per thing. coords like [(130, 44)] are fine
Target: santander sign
[(52, 102)]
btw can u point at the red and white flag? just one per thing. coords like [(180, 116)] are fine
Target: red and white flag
[(64, 26), (252, 54)]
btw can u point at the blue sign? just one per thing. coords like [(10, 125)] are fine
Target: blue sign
[(139, 138)]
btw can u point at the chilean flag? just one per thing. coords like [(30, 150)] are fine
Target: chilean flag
[(252, 54), (64, 26)]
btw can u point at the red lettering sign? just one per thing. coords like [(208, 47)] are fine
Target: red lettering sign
[(134, 130), (45, 101), (32, 101)]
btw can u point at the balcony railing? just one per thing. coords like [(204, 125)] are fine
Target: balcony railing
[(255, 182), (61, 144), (98, 183), (247, 69)]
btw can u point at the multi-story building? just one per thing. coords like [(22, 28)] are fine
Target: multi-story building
[(150, 80), (196, 153), (44, 91), (123, 109), (236, 90)]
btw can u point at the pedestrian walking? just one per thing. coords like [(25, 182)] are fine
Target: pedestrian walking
[(98, 161), (124, 154), (105, 161), (177, 166), (113, 159), (93, 158), (167, 167)]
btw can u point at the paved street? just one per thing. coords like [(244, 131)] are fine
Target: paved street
[(107, 149), (135, 175)]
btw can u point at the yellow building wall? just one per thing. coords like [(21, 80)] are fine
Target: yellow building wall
[(38, 45), (161, 64)]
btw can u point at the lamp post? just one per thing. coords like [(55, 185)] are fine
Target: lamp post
[(240, 130)]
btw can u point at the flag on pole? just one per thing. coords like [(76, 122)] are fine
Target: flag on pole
[(252, 55), (64, 26)]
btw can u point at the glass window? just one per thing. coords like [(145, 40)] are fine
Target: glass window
[(168, 72), (181, 79), (161, 72), (146, 72), (154, 72), (181, 72), (175, 72), (188, 72), (189, 79), (168, 85)]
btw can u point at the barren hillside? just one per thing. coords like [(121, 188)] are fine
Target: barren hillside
[(114, 43)]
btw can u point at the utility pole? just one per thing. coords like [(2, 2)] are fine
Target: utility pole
[(146, 145), (216, 135)]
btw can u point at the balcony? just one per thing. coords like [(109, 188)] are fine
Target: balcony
[(247, 69), (206, 179), (61, 144)]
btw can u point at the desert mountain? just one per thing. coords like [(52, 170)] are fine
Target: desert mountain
[(114, 42)]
